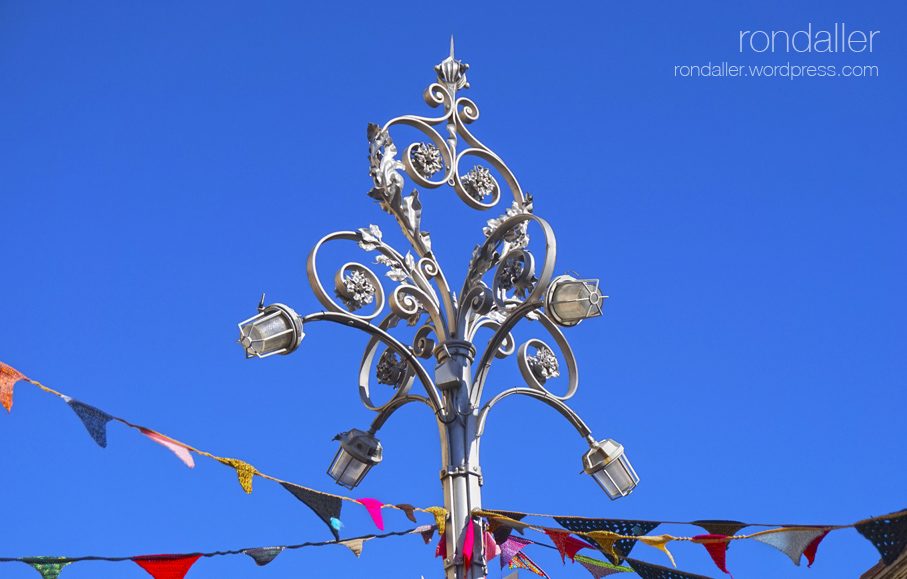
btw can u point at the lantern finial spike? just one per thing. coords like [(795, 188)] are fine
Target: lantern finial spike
[(451, 46), (261, 304)]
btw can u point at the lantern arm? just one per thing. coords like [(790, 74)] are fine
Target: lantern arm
[(413, 364), (392, 407), (501, 335), (551, 401)]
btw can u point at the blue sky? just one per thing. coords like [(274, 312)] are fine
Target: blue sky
[(166, 163)]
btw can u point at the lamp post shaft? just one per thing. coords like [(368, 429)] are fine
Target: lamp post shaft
[(460, 475)]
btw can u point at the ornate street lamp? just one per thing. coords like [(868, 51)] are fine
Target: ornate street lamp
[(503, 285)]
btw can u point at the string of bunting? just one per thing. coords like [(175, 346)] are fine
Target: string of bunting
[(612, 537), (175, 566), (615, 538), (325, 505)]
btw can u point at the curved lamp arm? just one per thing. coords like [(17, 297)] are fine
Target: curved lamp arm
[(551, 401), (434, 398), (396, 403)]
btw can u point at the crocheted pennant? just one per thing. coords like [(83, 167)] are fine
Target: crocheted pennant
[(521, 561), (810, 551), (888, 534), (355, 545), (263, 555), (180, 450), (659, 542), (492, 549), (720, 527), (468, 542), (441, 549), (566, 545), (716, 545), (95, 420), (501, 529), (166, 566), (427, 532), (791, 542), (8, 377), (622, 547), (440, 514), (374, 509), (327, 507), (605, 541), (48, 567), (510, 548), (244, 471), (600, 569), (409, 510), (650, 571)]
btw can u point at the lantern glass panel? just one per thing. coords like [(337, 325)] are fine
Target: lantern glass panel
[(347, 470), (266, 335), (574, 301), (617, 478)]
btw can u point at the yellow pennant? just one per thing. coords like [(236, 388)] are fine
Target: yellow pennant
[(606, 540), (244, 471), (659, 542), (440, 514)]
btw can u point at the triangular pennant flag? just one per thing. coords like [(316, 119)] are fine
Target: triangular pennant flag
[(244, 471), (355, 545), (8, 377), (650, 571), (888, 534), (263, 555), (521, 561), (716, 545), (502, 529), (791, 542), (510, 548), (492, 549), (659, 542), (559, 538), (468, 542), (720, 527), (440, 514), (605, 541), (600, 569), (620, 526), (95, 420), (810, 551), (409, 510), (427, 532), (48, 567), (179, 449), (374, 509), (166, 566), (441, 549), (327, 507)]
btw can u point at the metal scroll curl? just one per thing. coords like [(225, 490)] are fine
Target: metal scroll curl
[(355, 285), (403, 383)]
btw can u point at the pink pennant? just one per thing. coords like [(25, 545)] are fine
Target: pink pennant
[(492, 549), (810, 550), (716, 545), (510, 548), (178, 449), (8, 377), (374, 509), (468, 543), (441, 550)]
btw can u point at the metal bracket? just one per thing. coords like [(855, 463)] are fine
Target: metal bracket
[(452, 471)]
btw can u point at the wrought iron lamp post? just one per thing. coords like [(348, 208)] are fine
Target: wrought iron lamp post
[(503, 285)]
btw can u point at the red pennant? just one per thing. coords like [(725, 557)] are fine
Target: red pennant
[(559, 538), (810, 551), (374, 509), (441, 550), (468, 543), (716, 545), (574, 545), (166, 566)]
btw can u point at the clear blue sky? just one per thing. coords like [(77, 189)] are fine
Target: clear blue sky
[(165, 163)]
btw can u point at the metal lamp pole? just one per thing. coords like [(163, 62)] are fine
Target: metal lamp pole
[(503, 286)]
